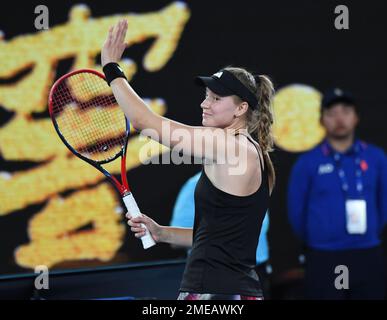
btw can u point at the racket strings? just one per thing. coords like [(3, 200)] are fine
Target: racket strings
[(88, 116)]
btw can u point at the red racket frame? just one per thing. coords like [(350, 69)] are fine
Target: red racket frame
[(123, 187)]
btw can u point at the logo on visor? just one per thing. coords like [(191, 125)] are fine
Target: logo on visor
[(218, 74)]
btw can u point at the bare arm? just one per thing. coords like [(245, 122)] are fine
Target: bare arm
[(181, 237), (175, 236), (189, 139)]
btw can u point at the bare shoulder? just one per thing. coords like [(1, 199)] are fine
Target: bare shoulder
[(252, 147)]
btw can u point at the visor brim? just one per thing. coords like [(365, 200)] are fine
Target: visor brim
[(214, 85)]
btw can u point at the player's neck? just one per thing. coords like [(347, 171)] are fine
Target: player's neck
[(238, 125), (342, 144)]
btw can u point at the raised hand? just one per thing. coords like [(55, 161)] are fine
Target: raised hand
[(114, 45)]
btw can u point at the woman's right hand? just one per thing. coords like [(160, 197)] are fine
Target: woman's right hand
[(137, 226)]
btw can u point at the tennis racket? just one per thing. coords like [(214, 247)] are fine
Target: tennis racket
[(91, 124)]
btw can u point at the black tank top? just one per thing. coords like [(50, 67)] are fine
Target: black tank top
[(225, 238)]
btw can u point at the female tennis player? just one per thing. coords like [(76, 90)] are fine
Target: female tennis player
[(229, 205)]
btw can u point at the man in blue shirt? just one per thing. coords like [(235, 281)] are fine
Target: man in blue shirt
[(337, 205), (183, 216)]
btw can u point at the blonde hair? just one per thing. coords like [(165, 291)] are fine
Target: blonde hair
[(259, 118)]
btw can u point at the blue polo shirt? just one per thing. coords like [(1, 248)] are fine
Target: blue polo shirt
[(316, 200), (184, 212)]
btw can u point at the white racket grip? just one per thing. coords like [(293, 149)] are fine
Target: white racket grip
[(131, 205)]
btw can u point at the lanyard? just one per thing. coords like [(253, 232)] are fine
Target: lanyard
[(337, 157)]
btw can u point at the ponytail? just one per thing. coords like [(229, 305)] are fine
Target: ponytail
[(260, 119)]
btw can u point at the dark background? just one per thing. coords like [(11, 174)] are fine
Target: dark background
[(292, 41)]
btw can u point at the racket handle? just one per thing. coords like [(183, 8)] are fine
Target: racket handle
[(131, 206)]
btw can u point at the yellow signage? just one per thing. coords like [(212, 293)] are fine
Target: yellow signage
[(55, 232)]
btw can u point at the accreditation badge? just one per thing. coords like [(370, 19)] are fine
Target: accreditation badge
[(356, 214)]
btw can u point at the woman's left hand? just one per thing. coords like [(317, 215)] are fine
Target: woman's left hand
[(114, 45)]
